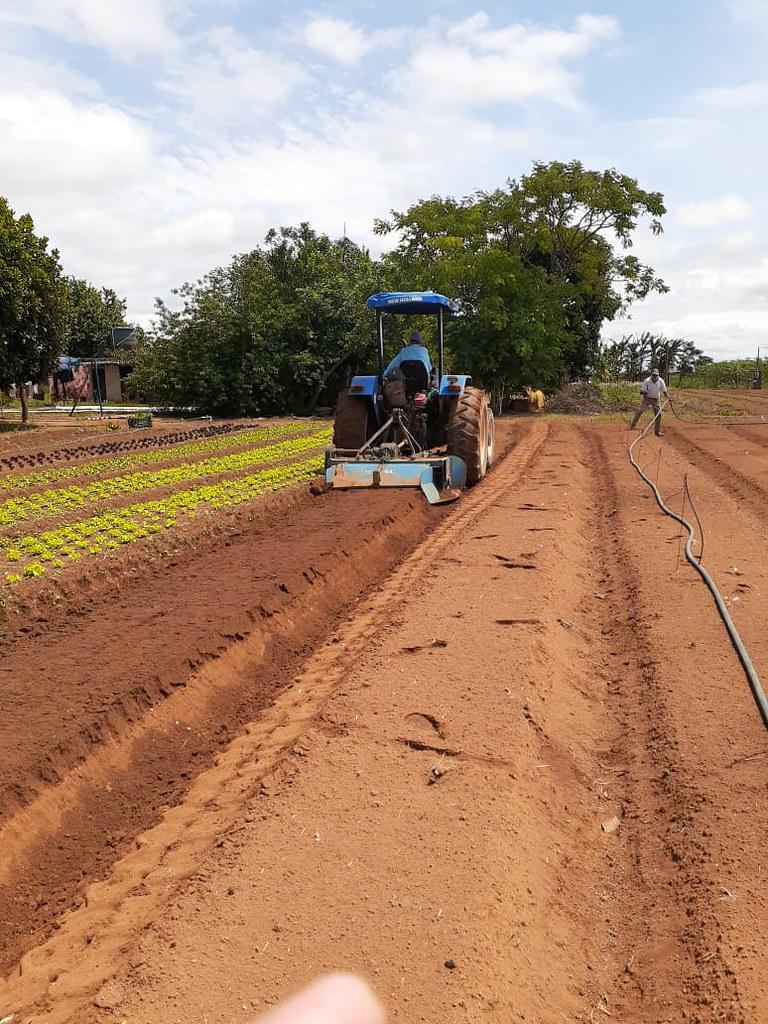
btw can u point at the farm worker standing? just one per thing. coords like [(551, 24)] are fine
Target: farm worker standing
[(651, 390)]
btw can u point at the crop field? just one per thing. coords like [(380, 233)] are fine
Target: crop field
[(52, 518), (499, 757)]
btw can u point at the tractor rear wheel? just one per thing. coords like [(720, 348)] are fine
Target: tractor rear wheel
[(350, 428), (467, 432)]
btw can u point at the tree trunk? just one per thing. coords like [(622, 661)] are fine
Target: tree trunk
[(498, 390), (24, 405)]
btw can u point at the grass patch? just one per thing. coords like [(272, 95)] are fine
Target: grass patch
[(619, 396)]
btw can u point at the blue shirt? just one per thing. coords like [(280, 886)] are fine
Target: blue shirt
[(417, 353)]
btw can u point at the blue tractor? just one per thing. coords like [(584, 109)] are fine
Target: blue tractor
[(411, 424)]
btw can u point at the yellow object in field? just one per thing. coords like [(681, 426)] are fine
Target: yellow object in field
[(535, 398)]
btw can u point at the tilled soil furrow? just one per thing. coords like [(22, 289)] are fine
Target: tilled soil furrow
[(306, 579), (702, 732), (494, 866), (749, 492), (516, 732), (756, 435), (735, 542), (250, 757), (662, 920)]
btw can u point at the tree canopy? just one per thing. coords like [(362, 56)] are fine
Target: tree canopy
[(33, 303), (266, 332), (538, 267), (91, 314)]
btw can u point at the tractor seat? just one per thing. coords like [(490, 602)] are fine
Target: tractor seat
[(415, 376)]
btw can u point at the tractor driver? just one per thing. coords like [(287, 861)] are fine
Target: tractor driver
[(413, 350)]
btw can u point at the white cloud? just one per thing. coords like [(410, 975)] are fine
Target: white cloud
[(739, 241), (713, 213), (549, 43), (124, 29), (340, 40), (180, 216), (481, 66), (730, 278), (719, 297), (670, 134), (223, 77), (344, 42), (721, 99), (52, 145), (144, 209), (26, 73)]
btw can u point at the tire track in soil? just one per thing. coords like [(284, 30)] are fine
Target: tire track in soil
[(215, 801), (660, 938), (663, 918), (722, 738), (736, 548)]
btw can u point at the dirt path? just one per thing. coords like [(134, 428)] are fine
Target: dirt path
[(524, 781)]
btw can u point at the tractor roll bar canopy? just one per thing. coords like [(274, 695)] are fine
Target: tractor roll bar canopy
[(410, 304)]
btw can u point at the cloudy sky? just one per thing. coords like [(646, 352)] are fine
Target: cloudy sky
[(151, 139)]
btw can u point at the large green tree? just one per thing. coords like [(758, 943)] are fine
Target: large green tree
[(33, 303), (91, 314), (538, 267), (265, 334)]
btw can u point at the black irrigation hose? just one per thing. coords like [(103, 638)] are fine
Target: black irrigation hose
[(698, 521), (754, 683)]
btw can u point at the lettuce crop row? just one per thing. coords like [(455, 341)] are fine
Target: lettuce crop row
[(116, 463), (59, 501), (35, 554)]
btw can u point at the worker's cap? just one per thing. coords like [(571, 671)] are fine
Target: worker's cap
[(655, 370), (416, 336)]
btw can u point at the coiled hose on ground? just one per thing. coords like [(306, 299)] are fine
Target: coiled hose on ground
[(754, 682)]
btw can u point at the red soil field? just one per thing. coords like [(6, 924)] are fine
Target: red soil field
[(499, 757)]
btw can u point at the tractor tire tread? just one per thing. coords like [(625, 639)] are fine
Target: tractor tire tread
[(464, 432)]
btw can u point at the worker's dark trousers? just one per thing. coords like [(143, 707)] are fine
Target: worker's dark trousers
[(647, 403)]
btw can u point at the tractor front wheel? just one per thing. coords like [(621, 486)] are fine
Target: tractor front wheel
[(469, 432), (351, 426)]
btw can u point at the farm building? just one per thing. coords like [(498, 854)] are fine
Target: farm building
[(89, 379)]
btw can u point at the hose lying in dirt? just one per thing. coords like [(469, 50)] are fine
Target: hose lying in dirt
[(754, 683)]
